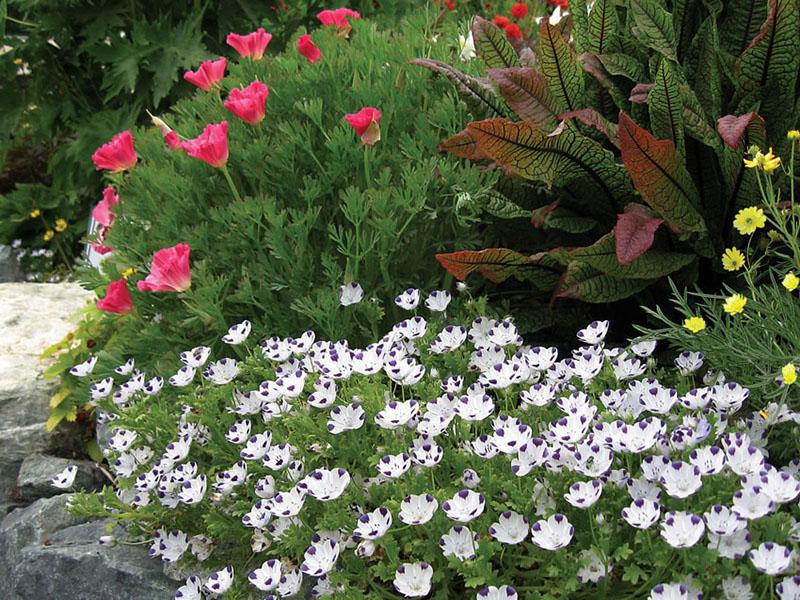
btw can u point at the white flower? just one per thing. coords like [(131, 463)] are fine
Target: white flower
[(196, 357), (438, 300), (465, 506), (681, 529), (789, 588), (183, 377), (191, 590), (721, 520), (751, 503), (287, 504), (532, 454), (279, 457), (413, 580), (192, 491), (374, 525), (426, 452), (346, 418), (325, 485), (290, 583), (85, 368), (238, 333), (474, 406), (504, 592), (681, 480), (408, 300), (553, 533), (689, 362), (669, 591), (466, 47), (222, 371), (594, 333), (350, 293), (394, 465), (510, 528), (169, 546), (397, 414), (460, 542), (417, 509), (642, 513), (709, 459), (644, 348), (733, 546), (152, 387), (102, 388), (584, 494), (324, 394), (257, 446), (770, 558), (320, 557), (126, 368), (267, 576), (592, 570), (258, 517), (738, 588), (65, 478), (219, 582), (510, 434), (121, 439), (239, 432)]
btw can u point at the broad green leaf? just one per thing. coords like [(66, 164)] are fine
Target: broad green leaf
[(623, 65), (666, 107), (741, 23), (583, 282), (554, 160), (659, 175), (564, 219), (653, 264), (3, 16), (561, 68), (526, 92), (492, 46), (477, 93), (498, 264), (653, 27), (694, 118), (580, 25), (707, 78), (497, 205), (603, 27), (686, 15), (591, 118)]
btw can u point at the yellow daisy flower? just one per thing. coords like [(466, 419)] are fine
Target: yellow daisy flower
[(789, 373), (695, 324), (793, 135), (766, 162), (791, 281), (749, 219), (48, 235), (60, 225), (128, 272), (734, 304), (732, 259), (34, 213)]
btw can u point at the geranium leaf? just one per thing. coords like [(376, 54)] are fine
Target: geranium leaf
[(666, 107), (653, 26), (526, 93), (492, 46), (561, 67), (476, 92), (463, 145), (634, 233)]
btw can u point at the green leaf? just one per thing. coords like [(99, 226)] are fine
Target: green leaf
[(633, 574), (3, 17), (685, 16), (653, 264), (742, 21), (498, 264), (582, 282), (492, 46), (580, 25), (707, 78), (623, 65), (564, 219), (554, 160), (653, 27), (561, 68), (660, 176), (603, 27), (475, 92), (497, 205), (526, 92), (666, 107), (695, 120)]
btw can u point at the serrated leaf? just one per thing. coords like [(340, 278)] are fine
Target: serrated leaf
[(463, 145), (554, 160), (653, 27), (496, 265), (526, 92), (603, 26), (650, 265), (561, 68), (634, 232), (659, 175), (477, 93), (623, 65), (492, 46), (666, 107), (582, 282)]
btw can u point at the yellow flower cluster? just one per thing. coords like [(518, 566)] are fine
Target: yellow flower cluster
[(766, 162)]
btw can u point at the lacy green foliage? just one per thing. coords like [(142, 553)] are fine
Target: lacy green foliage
[(318, 208), (635, 116), (74, 72)]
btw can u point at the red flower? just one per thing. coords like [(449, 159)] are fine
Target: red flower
[(513, 32), (116, 155), (169, 271), (501, 21), (118, 298), (450, 4), (365, 122), (209, 73), (211, 146), (252, 44), (338, 18), (560, 3), (102, 212), (248, 104), (308, 49), (519, 10)]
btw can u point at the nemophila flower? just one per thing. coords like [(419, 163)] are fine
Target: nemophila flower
[(417, 509), (346, 418), (627, 368), (211, 146), (101, 389), (658, 400), (325, 485), (350, 293), (85, 368), (413, 580), (308, 49), (116, 155), (320, 557), (238, 333), (196, 357), (510, 434), (374, 525), (170, 546), (749, 219), (248, 103), (780, 486), (257, 446), (394, 465), (594, 333), (689, 362), (290, 583), (788, 374), (734, 304), (366, 125), (470, 479), (464, 506), (426, 452), (771, 558), (504, 333), (64, 479), (169, 271), (510, 528), (644, 349), (642, 513), (191, 590), (766, 162), (681, 480), (709, 459), (412, 329), (219, 582), (267, 576), (744, 459), (474, 406), (733, 546), (681, 529), (732, 259), (790, 281), (287, 504), (694, 324), (466, 48), (153, 386), (592, 568), (460, 542), (553, 533), (485, 358), (208, 74), (540, 358), (117, 299), (449, 339), (729, 397), (752, 503), (222, 371), (438, 300), (409, 299), (669, 591), (405, 371), (584, 494), (193, 491), (789, 588), (251, 45), (183, 377), (278, 457)]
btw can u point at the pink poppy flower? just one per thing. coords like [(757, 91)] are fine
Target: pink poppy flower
[(365, 122), (102, 212), (116, 155), (208, 74), (211, 146), (98, 246), (248, 103), (171, 138), (118, 299), (308, 49), (252, 44), (169, 271), (338, 18)]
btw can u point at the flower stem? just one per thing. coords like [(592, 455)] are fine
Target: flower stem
[(231, 185), (367, 176)]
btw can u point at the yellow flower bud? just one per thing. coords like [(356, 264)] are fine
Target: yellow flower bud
[(60, 225), (34, 213)]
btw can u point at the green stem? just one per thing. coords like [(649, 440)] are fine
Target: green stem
[(231, 185), (367, 177)]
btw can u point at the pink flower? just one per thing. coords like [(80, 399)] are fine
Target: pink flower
[(118, 298), (116, 155), (365, 122), (209, 73), (308, 49), (99, 246), (169, 271), (338, 18), (248, 104), (102, 212), (211, 146), (252, 44), (171, 138)]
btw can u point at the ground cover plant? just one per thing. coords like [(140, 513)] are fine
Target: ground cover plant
[(446, 459), (634, 116)]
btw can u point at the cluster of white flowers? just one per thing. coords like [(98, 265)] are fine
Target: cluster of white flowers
[(656, 444)]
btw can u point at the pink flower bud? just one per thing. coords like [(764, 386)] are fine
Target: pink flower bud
[(208, 74), (365, 122)]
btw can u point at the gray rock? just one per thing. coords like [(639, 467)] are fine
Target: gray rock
[(37, 470), (9, 266)]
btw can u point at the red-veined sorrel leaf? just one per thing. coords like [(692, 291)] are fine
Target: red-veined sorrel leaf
[(635, 232), (492, 45), (742, 21), (476, 92), (772, 55), (526, 93), (623, 65), (498, 264), (665, 106), (539, 215), (462, 145), (640, 92), (603, 27), (731, 128), (592, 118), (653, 26), (660, 176), (582, 282), (602, 256), (561, 67)]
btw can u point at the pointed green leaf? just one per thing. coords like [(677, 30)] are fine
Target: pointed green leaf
[(653, 27), (526, 93), (741, 23), (590, 118), (666, 107), (580, 25), (561, 68), (583, 282), (603, 27), (493, 203), (623, 65), (475, 92), (686, 16), (653, 264), (3, 16), (564, 219), (695, 120), (492, 46), (707, 78)]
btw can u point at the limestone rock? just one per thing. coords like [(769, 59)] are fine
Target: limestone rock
[(37, 470)]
